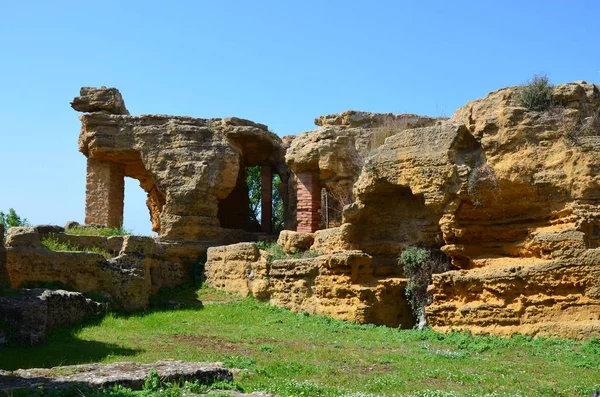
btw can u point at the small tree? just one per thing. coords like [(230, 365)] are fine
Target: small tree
[(253, 180), (419, 265), (536, 94), (11, 219)]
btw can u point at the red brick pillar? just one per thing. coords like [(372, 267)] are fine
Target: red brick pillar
[(104, 193), (309, 202), (266, 204)]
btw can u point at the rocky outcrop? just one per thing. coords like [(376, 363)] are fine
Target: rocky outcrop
[(405, 188), (528, 228), (27, 315), (511, 196), (106, 100), (105, 376), (336, 151), (341, 285), (521, 295), (192, 169)]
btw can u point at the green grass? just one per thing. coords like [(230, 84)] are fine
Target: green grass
[(97, 231), (291, 354), (55, 245)]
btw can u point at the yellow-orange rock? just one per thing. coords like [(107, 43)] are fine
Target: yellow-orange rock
[(341, 285)]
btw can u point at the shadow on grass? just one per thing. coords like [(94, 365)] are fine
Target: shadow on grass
[(62, 347)]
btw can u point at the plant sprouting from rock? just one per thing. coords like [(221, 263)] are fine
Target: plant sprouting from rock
[(419, 265), (536, 94)]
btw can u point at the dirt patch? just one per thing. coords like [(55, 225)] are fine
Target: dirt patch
[(212, 343)]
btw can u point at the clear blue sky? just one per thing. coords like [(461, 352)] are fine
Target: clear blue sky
[(280, 63)]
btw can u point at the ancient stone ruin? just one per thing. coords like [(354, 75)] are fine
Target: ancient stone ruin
[(510, 196)]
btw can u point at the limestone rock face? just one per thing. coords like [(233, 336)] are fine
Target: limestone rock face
[(189, 167), (511, 196), (341, 285), (521, 295), (336, 151), (538, 175), (404, 190), (30, 314), (528, 227)]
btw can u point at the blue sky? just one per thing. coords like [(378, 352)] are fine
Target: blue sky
[(281, 63)]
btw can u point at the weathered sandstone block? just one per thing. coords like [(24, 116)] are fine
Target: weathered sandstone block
[(105, 376), (29, 315), (293, 242)]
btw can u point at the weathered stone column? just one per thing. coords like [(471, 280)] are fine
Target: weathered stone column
[(309, 202), (266, 204), (104, 193)]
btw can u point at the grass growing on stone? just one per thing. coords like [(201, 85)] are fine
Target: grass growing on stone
[(276, 252), (56, 245), (291, 354), (97, 231)]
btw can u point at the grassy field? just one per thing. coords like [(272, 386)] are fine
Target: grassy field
[(296, 355)]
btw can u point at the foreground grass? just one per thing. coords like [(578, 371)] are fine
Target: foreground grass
[(297, 355)]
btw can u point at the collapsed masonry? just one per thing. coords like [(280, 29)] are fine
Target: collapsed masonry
[(511, 196)]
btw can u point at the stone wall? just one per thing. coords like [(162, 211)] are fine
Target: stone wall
[(341, 285), (138, 266)]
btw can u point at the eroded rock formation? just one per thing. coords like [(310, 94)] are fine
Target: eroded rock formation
[(341, 285), (333, 155), (528, 227), (192, 169), (511, 196)]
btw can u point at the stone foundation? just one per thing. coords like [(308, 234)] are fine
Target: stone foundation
[(340, 285), (139, 265)]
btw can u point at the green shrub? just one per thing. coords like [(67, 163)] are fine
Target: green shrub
[(419, 265), (536, 94)]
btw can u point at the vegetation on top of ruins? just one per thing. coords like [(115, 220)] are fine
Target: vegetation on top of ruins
[(288, 353), (275, 252), (419, 266), (11, 219), (97, 231), (536, 94), (53, 244)]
